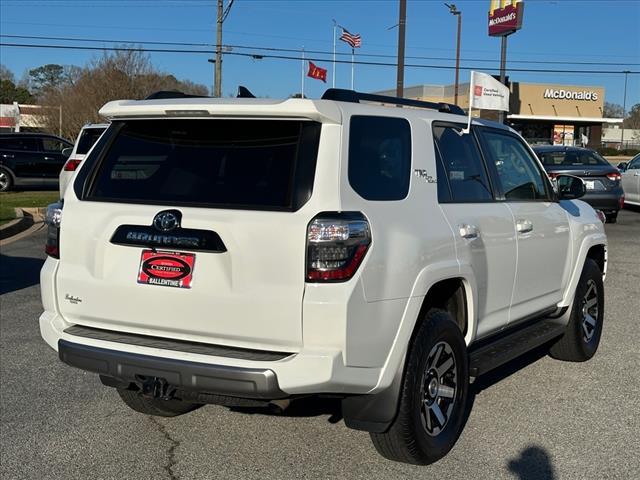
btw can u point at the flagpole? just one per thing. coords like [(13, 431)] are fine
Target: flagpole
[(353, 53), (468, 129), (335, 25), (302, 72)]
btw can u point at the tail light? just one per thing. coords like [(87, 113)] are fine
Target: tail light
[(614, 176), (601, 216), (336, 246), (71, 165), (52, 219)]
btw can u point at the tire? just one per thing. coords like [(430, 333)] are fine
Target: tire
[(612, 217), (582, 336), (154, 406), (417, 435), (6, 180)]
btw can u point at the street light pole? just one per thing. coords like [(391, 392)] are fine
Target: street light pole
[(401, 36), (624, 108), (454, 11)]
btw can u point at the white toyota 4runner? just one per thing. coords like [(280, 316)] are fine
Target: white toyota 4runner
[(245, 251)]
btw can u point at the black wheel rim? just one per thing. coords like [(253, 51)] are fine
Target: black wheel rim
[(439, 387), (589, 311)]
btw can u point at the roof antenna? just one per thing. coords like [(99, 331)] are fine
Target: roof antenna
[(243, 92)]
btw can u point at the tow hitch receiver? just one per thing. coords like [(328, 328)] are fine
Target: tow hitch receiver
[(155, 387)]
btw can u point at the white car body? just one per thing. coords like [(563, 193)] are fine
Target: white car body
[(631, 181), (87, 137), (345, 338)]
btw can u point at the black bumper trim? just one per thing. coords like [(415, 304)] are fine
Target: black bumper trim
[(199, 377), (175, 345)]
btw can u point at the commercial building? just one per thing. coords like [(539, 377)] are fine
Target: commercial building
[(542, 113)]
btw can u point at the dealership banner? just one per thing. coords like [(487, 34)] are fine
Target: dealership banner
[(486, 93)]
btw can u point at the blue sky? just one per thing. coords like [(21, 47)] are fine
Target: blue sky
[(558, 31)]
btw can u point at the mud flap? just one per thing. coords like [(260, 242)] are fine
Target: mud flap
[(376, 412)]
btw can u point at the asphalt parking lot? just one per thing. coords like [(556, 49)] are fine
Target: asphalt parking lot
[(536, 419)]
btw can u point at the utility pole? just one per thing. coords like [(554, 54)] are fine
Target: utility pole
[(503, 69), (624, 108), (217, 77), (454, 11), (401, 36)]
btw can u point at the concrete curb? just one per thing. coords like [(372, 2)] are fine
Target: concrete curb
[(23, 221)]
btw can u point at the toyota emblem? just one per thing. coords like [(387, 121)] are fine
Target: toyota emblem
[(167, 220)]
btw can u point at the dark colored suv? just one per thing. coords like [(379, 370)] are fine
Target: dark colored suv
[(30, 159), (604, 191)]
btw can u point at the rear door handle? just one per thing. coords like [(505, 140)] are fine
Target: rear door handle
[(49, 158), (6, 155), (468, 231), (524, 226)]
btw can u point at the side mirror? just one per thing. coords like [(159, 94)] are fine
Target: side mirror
[(622, 166), (570, 187), (66, 152)]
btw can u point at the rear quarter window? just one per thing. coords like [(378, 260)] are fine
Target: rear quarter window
[(379, 157)]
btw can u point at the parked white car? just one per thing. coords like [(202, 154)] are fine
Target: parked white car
[(243, 251), (630, 172), (88, 136)]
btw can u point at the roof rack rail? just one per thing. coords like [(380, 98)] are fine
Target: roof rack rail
[(351, 96), (165, 94)]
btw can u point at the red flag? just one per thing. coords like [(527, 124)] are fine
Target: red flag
[(317, 72)]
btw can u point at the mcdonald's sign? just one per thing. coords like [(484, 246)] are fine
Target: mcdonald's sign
[(505, 17)]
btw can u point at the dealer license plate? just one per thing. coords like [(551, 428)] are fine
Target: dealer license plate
[(167, 269), (590, 184)]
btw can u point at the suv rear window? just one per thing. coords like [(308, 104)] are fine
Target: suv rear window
[(88, 137), (251, 164)]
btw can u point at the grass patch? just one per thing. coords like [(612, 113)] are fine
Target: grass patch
[(10, 200)]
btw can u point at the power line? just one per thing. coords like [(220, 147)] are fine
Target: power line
[(321, 52), (317, 59)]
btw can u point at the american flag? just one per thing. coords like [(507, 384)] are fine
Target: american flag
[(350, 38)]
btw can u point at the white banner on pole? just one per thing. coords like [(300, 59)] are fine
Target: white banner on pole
[(486, 93)]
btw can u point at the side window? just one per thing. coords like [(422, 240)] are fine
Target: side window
[(444, 192), (463, 165), (52, 145), (635, 164), (380, 157), (518, 171), (25, 144)]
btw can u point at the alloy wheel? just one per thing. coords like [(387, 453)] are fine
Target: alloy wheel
[(589, 311), (438, 388), (4, 181)]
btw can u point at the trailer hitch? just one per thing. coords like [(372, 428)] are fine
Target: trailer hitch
[(155, 387)]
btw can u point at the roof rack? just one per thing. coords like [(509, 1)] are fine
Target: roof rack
[(351, 96)]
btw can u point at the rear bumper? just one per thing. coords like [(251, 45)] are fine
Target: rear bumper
[(200, 377), (308, 371), (608, 202)]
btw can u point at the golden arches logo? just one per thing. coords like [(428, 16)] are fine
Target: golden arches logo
[(500, 4)]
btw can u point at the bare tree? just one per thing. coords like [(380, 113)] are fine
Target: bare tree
[(114, 76)]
